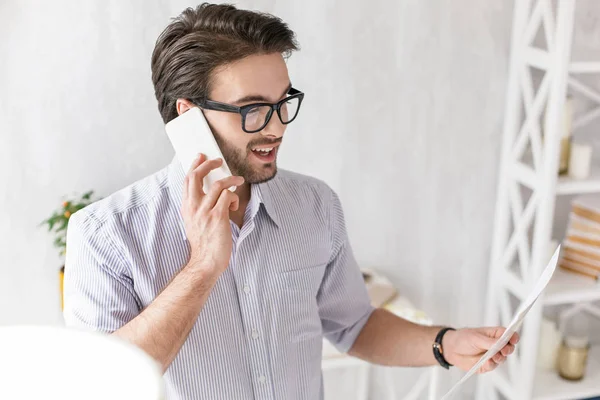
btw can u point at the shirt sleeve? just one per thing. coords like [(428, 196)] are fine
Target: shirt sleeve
[(344, 304), (98, 289)]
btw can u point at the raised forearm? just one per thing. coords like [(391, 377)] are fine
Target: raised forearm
[(162, 328), (387, 339)]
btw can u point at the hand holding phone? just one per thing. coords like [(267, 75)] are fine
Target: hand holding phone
[(206, 216)]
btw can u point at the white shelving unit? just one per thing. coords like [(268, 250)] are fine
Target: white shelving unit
[(524, 218), (549, 386)]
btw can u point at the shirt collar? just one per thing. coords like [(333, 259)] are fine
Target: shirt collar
[(259, 193), (264, 192)]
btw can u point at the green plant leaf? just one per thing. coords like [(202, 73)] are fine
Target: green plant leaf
[(51, 223), (63, 225), (57, 223)]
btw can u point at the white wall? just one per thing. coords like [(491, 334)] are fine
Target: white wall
[(77, 112), (402, 116)]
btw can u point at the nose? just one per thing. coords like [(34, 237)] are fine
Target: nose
[(274, 128)]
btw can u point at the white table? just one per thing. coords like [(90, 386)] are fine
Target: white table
[(427, 381)]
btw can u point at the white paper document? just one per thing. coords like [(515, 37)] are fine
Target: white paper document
[(514, 325)]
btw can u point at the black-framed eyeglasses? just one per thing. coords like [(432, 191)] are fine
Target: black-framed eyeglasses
[(256, 116)]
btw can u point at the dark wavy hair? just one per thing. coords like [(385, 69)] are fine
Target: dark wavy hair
[(204, 38)]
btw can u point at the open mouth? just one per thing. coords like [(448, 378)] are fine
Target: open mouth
[(265, 154)]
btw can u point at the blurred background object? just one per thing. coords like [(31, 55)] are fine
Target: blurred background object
[(581, 251), (57, 225), (58, 363)]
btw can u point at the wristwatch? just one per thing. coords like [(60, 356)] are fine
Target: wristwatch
[(438, 350)]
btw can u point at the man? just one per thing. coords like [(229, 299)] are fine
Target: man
[(232, 292)]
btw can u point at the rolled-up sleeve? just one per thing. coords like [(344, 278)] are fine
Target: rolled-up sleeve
[(98, 289), (344, 304)]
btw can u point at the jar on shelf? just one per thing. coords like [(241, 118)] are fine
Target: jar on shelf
[(573, 353)]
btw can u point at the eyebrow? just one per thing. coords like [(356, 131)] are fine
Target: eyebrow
[(258, 97)]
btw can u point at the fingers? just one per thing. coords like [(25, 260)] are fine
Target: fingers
[(214, 192), (486, 337), (200, 158), (493, 332), (499, 358), (496, 360), (489, 365), (227, 201), (197, 175), (218, 195), (497, 331), (507, 350), (483, 341)]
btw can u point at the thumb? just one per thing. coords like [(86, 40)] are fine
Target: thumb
[(494, 331), (484, 340)]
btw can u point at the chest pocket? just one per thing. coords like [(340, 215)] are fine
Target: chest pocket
[(298, 308)]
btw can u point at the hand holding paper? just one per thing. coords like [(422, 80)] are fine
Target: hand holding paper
[(465, 347), (515, 324)]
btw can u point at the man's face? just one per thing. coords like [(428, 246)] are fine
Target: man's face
[(255, 79)]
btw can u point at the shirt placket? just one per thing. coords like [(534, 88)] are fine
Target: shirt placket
[(246, 282)]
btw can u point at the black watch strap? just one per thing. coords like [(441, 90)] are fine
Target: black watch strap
[(438, 351)]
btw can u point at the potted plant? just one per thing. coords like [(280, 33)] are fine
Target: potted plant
[(59, 221)]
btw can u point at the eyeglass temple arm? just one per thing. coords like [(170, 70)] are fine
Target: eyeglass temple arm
[(216, 106)]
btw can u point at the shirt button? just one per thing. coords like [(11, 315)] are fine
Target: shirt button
[(262, 379), (246, 289), (254, 334)]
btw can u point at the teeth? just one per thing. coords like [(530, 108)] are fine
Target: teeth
[(264, 150)]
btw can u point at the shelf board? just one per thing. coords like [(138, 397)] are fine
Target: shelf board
[(567, 185), (584, 67), (549, 386), (540, 59), (567, 288), (524, 173)]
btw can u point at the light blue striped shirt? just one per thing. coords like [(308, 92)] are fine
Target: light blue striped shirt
[(291, 279)]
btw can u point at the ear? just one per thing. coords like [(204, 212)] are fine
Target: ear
[(183, 105)]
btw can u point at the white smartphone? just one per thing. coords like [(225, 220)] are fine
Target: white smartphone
[(190, 135)]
